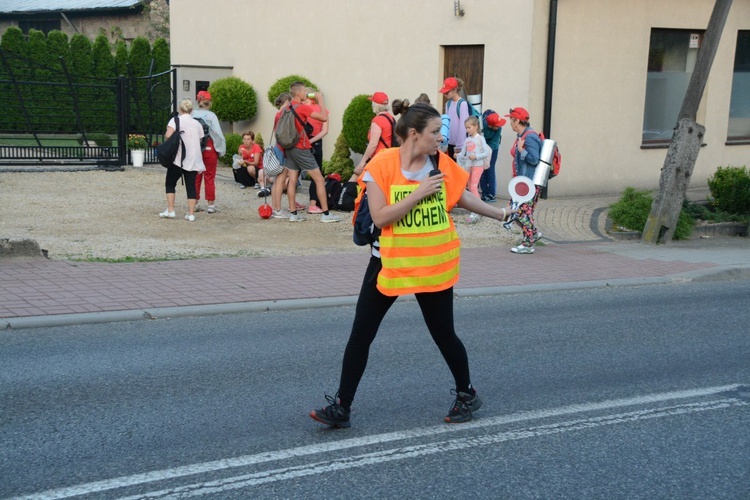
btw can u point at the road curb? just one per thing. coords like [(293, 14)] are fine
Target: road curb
[(55, 320)]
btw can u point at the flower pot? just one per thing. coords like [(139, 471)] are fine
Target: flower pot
[(138, 155)]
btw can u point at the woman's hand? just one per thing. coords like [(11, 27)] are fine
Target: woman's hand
[(430, 186)]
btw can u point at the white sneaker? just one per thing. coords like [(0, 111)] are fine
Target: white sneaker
[(257, 186), (190, 218), (281, 214), (297, 218), (211, 209), (167, 215), (330, 218)]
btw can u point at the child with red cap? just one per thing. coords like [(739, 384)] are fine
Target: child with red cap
[(492, 128)]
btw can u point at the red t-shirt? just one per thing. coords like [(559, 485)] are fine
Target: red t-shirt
[(386, 131), (316, 124), (249, 155)]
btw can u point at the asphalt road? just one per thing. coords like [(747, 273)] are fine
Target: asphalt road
[(630, 392)]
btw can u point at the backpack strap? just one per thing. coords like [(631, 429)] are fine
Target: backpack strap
[(297, 117), (393, 130)]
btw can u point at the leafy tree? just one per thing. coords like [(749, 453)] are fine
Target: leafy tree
[(140, 65), (157, 13), (233, 100), (121, 58), (80, 67), (80, 61), (58, 46), (160, 53), (104, 99), (13, 44), (161, 88), (39, 98), (356, 122), (13, 41), (282, 85)]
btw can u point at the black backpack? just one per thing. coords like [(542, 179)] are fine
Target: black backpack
[(167, 150), (394, 138), (333, 192), (206, 129)]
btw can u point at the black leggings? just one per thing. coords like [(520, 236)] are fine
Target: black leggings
[(173, 175), (372, 306)]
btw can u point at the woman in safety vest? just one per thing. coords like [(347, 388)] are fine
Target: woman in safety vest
[(418, 253)]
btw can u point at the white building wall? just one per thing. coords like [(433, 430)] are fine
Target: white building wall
[(351, 47)]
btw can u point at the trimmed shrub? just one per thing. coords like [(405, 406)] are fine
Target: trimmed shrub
[(259, 141), (730, 189), (356, 123), (233, 100), (340, 162), (633, 208), (282, 85), (233, 145)]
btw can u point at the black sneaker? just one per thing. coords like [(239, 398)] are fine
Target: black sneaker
[(334, 414), (464, 405)]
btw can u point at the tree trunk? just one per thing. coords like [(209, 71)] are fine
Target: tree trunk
[(686, 142)]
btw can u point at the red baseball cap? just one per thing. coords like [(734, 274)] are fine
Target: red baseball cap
[(518, 114), (449, 83), (203, 95), (378, 98), (494, 120)]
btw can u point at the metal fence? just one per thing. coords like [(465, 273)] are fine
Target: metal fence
[(54, 118)]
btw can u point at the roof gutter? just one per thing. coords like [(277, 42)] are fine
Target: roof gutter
[(548, 84)]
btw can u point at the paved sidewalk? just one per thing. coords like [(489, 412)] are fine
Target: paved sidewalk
[(576, 253)]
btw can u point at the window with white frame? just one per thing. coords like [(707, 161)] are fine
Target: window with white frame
[(671, 58), (739, 107)]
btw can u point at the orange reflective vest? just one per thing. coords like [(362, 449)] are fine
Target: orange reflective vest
[(420, 252)]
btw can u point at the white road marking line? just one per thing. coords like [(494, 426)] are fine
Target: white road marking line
[(247, 460), (408, 452)]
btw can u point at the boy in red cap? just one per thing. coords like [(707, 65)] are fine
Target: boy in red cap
[(492, 126), (525, 153)]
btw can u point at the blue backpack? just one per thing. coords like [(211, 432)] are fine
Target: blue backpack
[(472, 110)]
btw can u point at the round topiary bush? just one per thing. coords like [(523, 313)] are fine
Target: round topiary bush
[(282, 85), (356, 123), (233, 99)]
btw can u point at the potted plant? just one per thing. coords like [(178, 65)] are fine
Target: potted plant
[(137, 145)]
